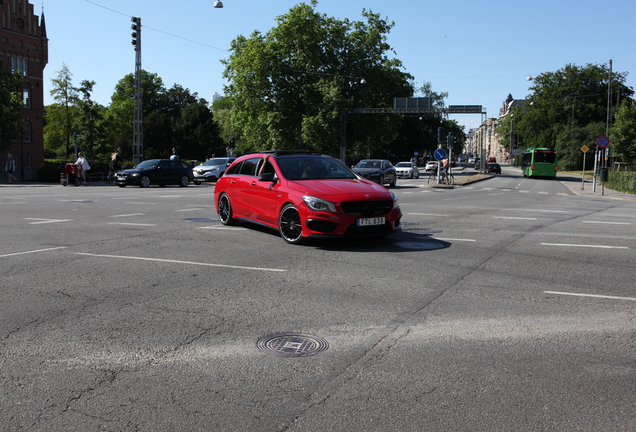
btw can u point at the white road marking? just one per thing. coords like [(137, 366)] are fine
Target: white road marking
[(182, 262), (222, 228), (188, 209), (591, 295), (429, 214), (131, 224), (608, 223), (44, 221), (24, 202), (131, 214), (586, 246), (33, 251)]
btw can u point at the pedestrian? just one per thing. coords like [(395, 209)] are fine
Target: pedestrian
[(174, 156), (83, 165), (10, 167), (115, 161)]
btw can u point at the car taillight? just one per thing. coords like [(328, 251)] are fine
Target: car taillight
[(532, 166), (556, 167)]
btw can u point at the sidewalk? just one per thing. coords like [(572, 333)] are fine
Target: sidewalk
[(577, 187)]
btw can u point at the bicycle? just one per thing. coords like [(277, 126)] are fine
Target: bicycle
[(78, 178), (111, 177), (446, 179)]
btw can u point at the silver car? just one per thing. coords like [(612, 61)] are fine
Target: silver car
[(210, 170), (407, 170)]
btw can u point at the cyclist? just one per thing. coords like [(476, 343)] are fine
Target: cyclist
[(82, 165), (444, 174)]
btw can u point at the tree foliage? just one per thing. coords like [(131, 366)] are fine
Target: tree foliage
[(566, 109), (289, 86), (172, 117), (10, 105), (623, 134)]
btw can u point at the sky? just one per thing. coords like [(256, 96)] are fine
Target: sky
[(477, 52)]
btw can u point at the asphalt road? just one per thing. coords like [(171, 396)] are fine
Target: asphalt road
[(506, 304)]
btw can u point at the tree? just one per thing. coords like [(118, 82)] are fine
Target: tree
[(623, 134), (289, 87), (65, 96), (10, 105), (566, 109), (89, 123)]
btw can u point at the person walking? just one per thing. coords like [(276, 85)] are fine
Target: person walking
[(83, 165), (10, 168)]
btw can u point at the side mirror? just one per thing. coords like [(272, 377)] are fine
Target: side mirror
[(266, 177)]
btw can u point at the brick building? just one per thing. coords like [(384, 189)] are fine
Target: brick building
[(24, 48)]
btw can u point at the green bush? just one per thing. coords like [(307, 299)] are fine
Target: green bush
[(622, 181)]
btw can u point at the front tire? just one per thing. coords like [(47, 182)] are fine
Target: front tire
[(225, 211), (144, 182), (393, 182), (289, 225), (185, 181)]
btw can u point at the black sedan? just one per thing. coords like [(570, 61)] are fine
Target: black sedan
[(380, 171), (156, 171), (493, 168)]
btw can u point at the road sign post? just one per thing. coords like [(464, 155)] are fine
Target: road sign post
[(584, 149)]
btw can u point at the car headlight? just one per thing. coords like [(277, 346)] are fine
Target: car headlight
[(135, 174), (318, 204), (395, 199)]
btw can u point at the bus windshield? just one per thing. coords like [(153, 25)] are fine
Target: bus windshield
[(547, 156)]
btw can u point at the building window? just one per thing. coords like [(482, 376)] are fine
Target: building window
[(26, 132), (29, 160), (26, 98), (20, 65)]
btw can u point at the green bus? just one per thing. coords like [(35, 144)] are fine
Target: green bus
[(539, 162)]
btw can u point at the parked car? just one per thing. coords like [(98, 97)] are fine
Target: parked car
[(471, 160), (431, 166), (462, 158), (407, 170), (493, 168), (304, 195), (380, 171), (210, 170), (477, 163), (492, 159), (156, 171)]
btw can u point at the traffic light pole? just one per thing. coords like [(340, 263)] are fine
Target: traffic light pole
[(138, 132)]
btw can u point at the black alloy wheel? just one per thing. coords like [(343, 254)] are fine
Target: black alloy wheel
[(185, 181), (144, 182), (225, 211), (290, 225)]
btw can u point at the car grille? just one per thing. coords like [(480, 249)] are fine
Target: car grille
[(367, 208)]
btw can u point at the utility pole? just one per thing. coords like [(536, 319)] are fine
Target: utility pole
[(138, 132)]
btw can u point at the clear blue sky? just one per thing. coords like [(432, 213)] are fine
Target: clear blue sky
[(478, 52)]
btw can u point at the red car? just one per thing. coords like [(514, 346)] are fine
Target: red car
[(304, 195)]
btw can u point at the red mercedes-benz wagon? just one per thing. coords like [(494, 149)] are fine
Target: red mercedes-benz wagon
[(304, 195)]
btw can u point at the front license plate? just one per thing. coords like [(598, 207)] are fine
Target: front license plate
[(120, 178), (371, 221)]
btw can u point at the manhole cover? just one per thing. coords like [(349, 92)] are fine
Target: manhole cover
[(419, 245), (201, 220), (292, 345)]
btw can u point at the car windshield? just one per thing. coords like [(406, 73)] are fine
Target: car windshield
[(215, 162), (313, 168), (368, 164), (404, 165), (148, 164)]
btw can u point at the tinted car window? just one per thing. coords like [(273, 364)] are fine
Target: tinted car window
[(248, 167)]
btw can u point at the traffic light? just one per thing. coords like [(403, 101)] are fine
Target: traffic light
[(75, 137), (440, 135), (449, 140), (136, 26)]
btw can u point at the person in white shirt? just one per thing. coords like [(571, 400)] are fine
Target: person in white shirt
[(83, 165)]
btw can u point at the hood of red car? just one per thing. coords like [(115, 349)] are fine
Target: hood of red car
[(338, 187)]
